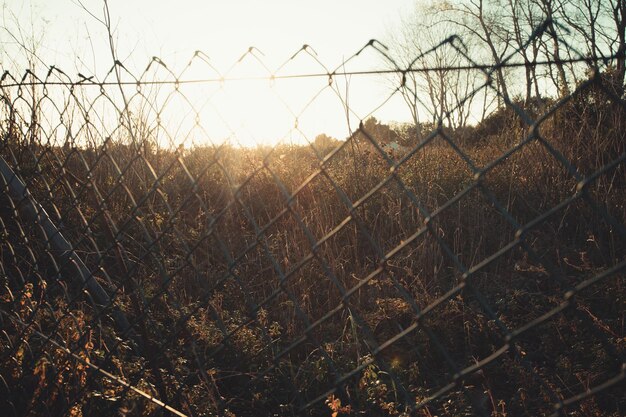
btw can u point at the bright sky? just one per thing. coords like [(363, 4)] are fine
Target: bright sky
[(253, 111)]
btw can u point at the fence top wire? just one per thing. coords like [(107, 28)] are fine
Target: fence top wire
[(86, 81), (234, 281), (90, 80)]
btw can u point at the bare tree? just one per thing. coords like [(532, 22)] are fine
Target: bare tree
[(482, 21), (552, 49), (618, 11), (431, 84), (523, 18), (496, 30)]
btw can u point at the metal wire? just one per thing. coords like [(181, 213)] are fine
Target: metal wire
[(149, 268)]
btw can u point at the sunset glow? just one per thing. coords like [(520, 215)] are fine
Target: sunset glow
[(243, 46)]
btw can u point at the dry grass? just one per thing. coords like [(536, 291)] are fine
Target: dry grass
[(213, 264)]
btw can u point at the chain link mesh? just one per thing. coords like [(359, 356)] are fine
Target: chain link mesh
[(148, 268)]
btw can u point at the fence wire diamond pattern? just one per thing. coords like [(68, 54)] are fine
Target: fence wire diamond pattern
[(148, 268)]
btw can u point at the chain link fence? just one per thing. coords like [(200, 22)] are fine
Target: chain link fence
[(148, 268)]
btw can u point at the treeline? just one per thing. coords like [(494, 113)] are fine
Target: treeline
[(498, 33)]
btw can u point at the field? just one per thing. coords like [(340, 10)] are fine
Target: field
[(476, 271)]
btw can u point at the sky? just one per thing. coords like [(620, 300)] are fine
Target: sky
[(260, 111)]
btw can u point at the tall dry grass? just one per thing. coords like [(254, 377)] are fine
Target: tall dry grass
[(230, 261)]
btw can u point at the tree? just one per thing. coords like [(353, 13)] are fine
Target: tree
[(481, 22), (430, 83), (523, 17), (324, 143), (618, 11)]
